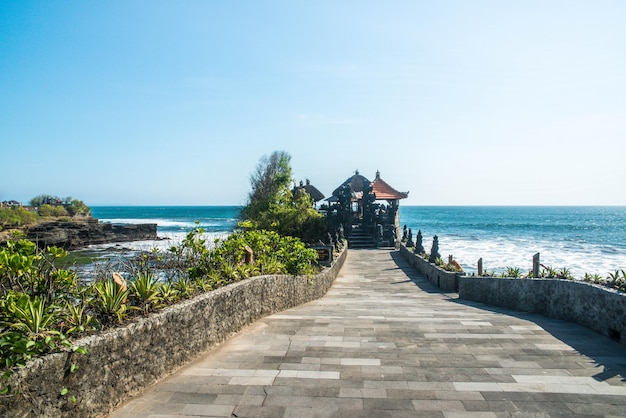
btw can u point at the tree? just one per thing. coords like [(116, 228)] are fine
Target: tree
[(270, 184), (69, 206), (77, 207), (272, 205)]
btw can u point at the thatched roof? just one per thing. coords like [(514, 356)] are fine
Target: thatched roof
[(315, 194), (357, 183)]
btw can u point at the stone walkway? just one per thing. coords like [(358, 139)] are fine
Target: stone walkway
[(385, 343)]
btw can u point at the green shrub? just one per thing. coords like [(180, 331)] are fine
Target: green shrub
[(31, 328), (16, 217), (144, 290), (110, 302)]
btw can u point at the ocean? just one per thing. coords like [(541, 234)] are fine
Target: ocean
[(582, 239)]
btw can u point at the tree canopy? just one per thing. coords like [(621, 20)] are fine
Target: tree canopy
[(270, 184), (274, 207), (50, 206)]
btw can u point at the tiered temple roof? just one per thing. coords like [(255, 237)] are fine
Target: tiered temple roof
[(384, 191), (380, 188)]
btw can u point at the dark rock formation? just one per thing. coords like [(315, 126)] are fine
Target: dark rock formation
[(77, 234)]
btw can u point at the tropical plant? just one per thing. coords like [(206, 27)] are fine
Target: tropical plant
[(565, 274), (229, 272), (617, 280), (185, 287), (513, 272), (78, 319), (168, 293), (25, 269), (110, 301), (203, 284), (271, 265), (593, 278), (549, 272), (28, 315), (47, 210), (144, 290), (215, 279), (31, 329), (270, 184)]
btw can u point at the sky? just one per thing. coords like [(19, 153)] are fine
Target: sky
[(482, 102)]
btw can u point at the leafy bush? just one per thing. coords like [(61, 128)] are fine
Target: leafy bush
[(52, 211), (30, 328), (269, 249), (16, 217), (40, 304)]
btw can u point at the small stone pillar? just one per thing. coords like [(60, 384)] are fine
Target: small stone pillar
[(480, 266), (536, 265)]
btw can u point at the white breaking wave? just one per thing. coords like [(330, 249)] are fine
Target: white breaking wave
[(160, 222), (500, 253), (166, 240)]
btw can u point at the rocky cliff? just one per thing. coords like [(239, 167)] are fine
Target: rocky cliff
[(76, 234)]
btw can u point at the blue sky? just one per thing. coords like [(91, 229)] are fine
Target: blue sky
[(458, 102)]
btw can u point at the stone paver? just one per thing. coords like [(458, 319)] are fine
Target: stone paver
[(385, 343)]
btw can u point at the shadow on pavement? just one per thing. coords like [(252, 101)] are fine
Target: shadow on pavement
[(608, 355)]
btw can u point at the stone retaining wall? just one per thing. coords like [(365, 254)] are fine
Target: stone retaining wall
[(598, 308), (447, 281), (123, 361)]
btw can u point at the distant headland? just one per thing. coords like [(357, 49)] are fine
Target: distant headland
[(65, 223)]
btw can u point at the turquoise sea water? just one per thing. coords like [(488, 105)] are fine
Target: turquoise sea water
[(583, 239)]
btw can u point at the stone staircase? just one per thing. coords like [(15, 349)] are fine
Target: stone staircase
[(360, 238)]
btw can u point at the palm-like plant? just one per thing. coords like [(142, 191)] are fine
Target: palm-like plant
[(111, 300), (28, 315), (78, 318), (167, 292), (512, 272), (185, 287), (145, 290)]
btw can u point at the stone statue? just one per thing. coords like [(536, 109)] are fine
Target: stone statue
[(404, 234), (409, 242), (434, 251), (419, 248)]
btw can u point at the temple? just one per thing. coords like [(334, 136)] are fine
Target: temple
[(366, 212)]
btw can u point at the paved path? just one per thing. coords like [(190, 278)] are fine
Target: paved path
[(385, 343)]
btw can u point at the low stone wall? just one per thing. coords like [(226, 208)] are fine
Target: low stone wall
[(123, 361), (600, 309), (447, 281)]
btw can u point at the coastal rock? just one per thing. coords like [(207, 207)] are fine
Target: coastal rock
[(72, 235)]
